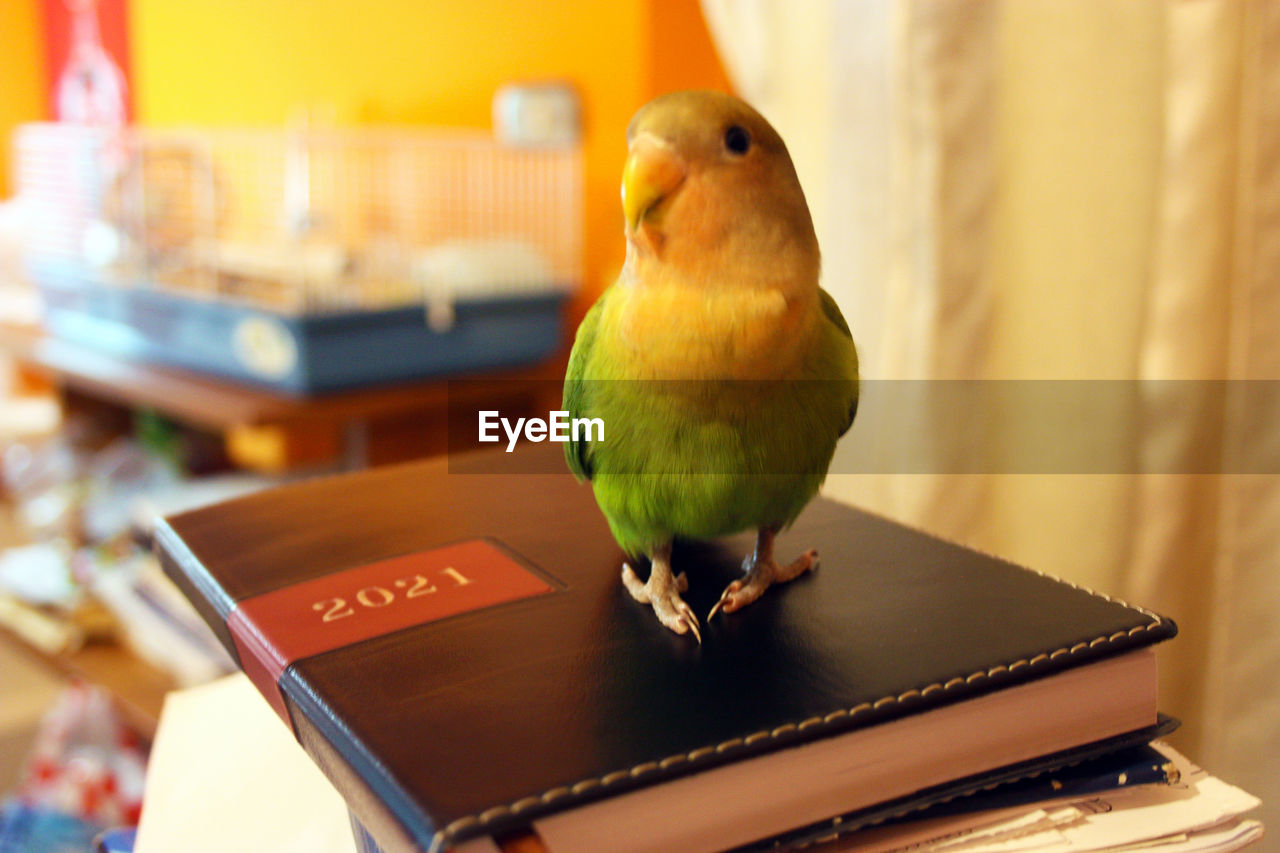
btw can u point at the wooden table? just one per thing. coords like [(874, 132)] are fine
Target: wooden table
[(271, 431)]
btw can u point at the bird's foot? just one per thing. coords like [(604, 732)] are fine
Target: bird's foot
[(662, 592), (760, 575)]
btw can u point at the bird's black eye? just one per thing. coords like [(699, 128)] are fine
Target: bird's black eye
[(736, 139)]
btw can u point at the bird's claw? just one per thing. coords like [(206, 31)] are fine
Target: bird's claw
[(760, 575), (724, 596), (690, 621), (664, 598), (678, 616)]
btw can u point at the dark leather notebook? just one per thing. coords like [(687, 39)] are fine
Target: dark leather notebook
[(451, 643)]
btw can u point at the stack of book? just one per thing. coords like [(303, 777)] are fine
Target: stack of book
[(451, 643), (1149, 798)]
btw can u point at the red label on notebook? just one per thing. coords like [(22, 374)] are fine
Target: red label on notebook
[(274, 629)]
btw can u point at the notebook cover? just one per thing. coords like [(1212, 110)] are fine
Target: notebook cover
[(496, 710)]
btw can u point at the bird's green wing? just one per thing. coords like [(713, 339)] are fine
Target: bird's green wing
[(832, 312), (575, 389)]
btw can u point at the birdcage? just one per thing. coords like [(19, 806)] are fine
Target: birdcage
[(304, 259)]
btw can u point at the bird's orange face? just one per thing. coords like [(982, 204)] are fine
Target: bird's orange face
[(706, 175), (721, 273)]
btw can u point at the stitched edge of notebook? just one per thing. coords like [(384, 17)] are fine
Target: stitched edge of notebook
[(968, 546), (550, 796)]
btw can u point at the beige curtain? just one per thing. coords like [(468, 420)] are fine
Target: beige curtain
[(1207, 548), (1085, 190)]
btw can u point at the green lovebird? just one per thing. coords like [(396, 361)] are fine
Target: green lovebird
[(722, 372)]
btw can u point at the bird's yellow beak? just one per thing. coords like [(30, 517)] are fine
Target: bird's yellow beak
[(652, 173)]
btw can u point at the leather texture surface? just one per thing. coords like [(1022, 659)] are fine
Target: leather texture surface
[(481, 721)]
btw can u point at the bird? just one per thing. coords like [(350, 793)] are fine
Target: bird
[(722, 372)]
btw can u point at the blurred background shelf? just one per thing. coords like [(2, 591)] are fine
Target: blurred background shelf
[(272, 431)]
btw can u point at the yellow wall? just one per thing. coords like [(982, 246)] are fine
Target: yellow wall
[(255, 62), (22, 96)]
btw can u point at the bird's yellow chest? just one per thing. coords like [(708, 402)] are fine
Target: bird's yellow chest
[(673, 331)]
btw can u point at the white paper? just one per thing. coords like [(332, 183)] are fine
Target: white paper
[(226, 774), (1231, 836)]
